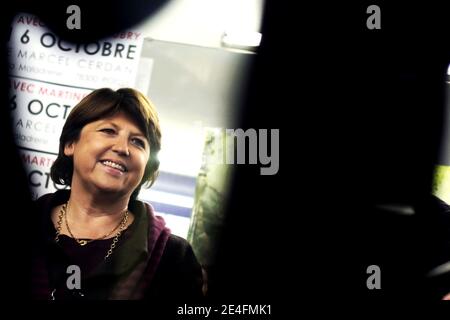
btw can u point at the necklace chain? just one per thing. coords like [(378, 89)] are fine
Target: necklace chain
[(121, 226)]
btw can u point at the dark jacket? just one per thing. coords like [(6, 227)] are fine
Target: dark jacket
[(147, 263)]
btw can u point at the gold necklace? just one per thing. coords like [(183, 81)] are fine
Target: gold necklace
[(84, 242), (122, 224)]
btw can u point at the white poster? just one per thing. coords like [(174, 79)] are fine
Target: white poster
[(48, 77)]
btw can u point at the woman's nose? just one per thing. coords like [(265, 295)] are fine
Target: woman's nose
[(121, 146)]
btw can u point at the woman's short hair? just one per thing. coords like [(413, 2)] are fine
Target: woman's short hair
[(103, 103)]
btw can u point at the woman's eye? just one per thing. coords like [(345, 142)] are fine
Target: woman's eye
[(138, 142), (107, 130)]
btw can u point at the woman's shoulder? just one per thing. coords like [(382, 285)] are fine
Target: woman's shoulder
[(176, 248), (53, 198), (45, 199), (179, 250), (178, 243), (179, 275)]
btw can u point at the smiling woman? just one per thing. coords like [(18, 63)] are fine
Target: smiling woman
[(96, 240)]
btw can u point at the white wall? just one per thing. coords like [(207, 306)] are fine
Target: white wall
[(194, 83), (192, 87), (203, 22)]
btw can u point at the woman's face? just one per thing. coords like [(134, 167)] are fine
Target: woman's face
[(110, 156)]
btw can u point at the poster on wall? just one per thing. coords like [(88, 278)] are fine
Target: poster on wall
[(48, 77)]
